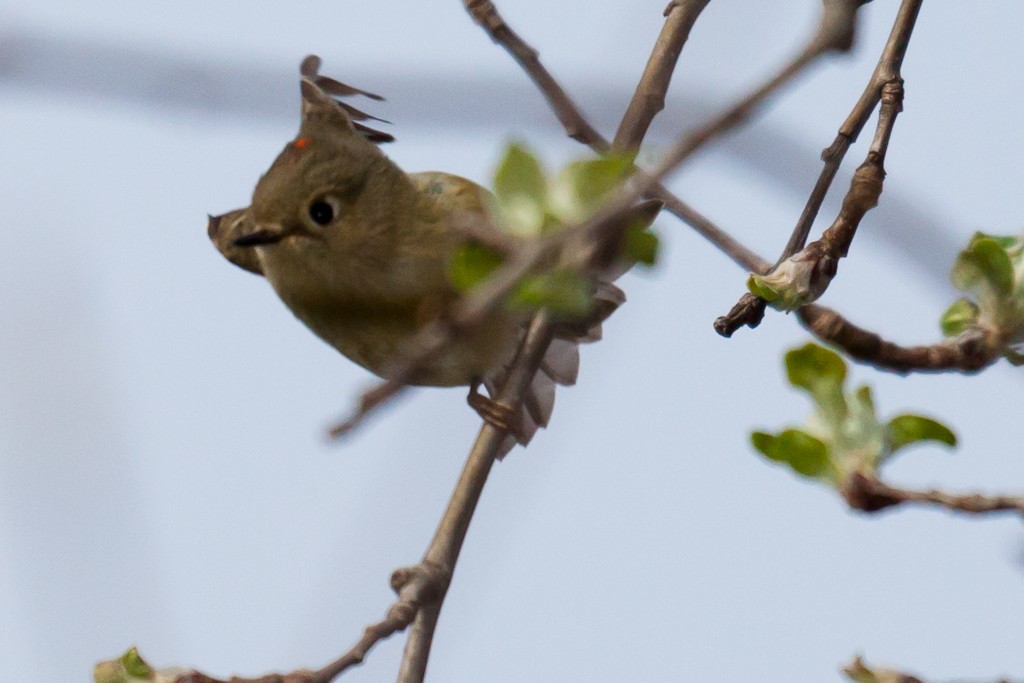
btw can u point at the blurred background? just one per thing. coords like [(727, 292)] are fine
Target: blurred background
[(165, 479)]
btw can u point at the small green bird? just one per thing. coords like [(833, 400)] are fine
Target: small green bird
[(360, 252)]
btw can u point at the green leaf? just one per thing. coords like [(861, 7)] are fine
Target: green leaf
[(859, 673), (863, 398), (1007, 242), (520, 187), (806, 454), (904, 430), (128, 668), (564, 292), (583, 185), (520, 174), (758, 287), (134, 665), (641, 245), (471, 264), (595, 179), (818, 370), (984, 265), (959, 317)]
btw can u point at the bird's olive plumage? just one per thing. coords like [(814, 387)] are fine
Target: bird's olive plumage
[(360, 252), (367, 279)]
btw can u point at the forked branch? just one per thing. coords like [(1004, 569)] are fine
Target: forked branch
[(750, 309)]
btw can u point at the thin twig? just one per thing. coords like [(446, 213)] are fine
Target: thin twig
[(432, 340), (443, 551), (834, 32), (821, 257), (414, 592), (422, 588), (870, 494), (578, 128), (649, 98), (750, 309), (857, 670), (486, 15)]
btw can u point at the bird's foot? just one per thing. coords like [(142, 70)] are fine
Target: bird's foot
[(495, 414)]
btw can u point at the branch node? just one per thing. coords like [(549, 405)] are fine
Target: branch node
[(421, 584)]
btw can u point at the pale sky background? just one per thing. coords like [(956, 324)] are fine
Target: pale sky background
[(164, 476)]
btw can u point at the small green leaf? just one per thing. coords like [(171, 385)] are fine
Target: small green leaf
[(1007, 242), (520, 174), (520, 187), (791, 284), (583, 185), (904, 430), (806, 454), (758, 287), (983, 265), (564, 292), (128, 668), (816, 369), (134, 665), (472, 264), (595, 179), (641, 245), (959, 317), (863, 397), (522, 216)]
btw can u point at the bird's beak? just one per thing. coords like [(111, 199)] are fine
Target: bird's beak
[(262, 235)]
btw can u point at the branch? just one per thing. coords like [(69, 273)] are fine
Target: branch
[(749, 310), (966, 352), (806, 275), (969, 352), (649, 98), (859, 672), (422, 588), (835, 32), (577, 127), (486, 15), (869, 494), (443, 551)]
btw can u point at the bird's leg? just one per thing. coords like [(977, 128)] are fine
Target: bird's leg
[(497, 414)]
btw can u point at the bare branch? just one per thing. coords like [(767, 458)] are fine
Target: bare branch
[(969, 352), (744, 108), (422, 588), (750, 309), (486, 15), (870, 494), (649, 98), (888, 69), (443, 551), (577, 127), (823, 254)]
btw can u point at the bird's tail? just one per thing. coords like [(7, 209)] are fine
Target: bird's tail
[(560, 365)]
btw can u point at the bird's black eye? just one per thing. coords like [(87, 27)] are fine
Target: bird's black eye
[(321, 212)]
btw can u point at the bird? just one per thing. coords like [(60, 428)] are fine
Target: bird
[(360, 252)]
